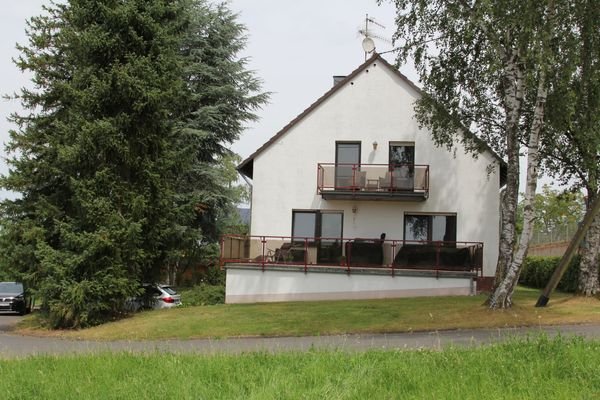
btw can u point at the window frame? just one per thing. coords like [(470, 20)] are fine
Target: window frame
[(430, 217), (318, 222)]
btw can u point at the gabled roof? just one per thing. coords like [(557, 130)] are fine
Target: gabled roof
[(246, 167)]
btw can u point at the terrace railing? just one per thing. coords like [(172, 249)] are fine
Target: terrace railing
[(350, 254), (368, 180)]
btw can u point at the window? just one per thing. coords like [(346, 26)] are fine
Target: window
[(430, 227), (317, 224), (326, 227), (304, 224)]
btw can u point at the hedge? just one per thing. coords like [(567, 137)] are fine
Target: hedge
[(537, 271)]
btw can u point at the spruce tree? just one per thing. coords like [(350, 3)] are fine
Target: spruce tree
[(113, 145)]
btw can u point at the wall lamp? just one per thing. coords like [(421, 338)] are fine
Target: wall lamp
[(375, 145)]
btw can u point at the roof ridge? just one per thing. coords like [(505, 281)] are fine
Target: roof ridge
[(246, 166)]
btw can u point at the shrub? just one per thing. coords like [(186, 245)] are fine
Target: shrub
[(537, 271), (214, 276), (203, 295)]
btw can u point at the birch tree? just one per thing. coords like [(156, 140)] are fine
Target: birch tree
[(573, 156), (484, 66)]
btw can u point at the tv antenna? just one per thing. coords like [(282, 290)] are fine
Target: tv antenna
[(368, 44)]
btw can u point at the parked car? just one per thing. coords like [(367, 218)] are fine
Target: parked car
[(154, 297), (13, 297)]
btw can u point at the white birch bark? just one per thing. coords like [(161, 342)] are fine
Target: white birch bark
[(513, 100), (502, 296), (588, 283)]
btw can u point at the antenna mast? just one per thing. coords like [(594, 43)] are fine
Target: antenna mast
[(368, 44)]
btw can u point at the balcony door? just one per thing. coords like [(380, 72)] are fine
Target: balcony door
[(325, 227), (402, 154), (347, 160)]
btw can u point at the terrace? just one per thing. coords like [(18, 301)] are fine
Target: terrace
[(395, 182), (352, 255)]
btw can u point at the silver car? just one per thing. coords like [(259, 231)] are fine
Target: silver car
[(154, 297)]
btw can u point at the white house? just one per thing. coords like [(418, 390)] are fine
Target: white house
[(351, 167)]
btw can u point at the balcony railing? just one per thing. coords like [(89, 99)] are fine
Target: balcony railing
[(408, 182), (350, 254)]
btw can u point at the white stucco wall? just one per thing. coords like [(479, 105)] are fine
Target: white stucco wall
[(376, 106), (253, 285)]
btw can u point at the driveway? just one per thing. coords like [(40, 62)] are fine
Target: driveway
[(19, 346), (8, 321)]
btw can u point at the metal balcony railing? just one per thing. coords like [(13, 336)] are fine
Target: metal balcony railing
[(282, 251), (373, 180)]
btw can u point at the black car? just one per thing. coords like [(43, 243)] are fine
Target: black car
[(14, 298)]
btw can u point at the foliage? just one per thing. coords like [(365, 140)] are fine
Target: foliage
[(204, 294), (572, 153), (575, 102), (222, 95), (554, 211), (493, 82), (213, 276), (527, 368), (117, 159), (537, 271)]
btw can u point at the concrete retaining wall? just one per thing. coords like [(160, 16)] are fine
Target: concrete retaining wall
[(252, 285)]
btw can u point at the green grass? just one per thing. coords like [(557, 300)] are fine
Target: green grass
[(336, 317), (526, 369)]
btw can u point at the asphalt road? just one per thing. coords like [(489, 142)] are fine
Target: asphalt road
[(12, 345), (8, 321)]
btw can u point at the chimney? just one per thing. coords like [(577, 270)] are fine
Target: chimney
[(338, 78)]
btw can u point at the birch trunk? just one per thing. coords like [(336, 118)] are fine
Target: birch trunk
[(514, 82), (502, 296), (588, 284)]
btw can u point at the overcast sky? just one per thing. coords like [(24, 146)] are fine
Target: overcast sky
[(295, 47)]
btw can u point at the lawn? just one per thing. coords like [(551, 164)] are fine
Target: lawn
[(534, 368), (335, 317)]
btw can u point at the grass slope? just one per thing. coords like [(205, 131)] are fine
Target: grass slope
[(525, 369), (336, 317)]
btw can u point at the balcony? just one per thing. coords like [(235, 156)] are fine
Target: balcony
[(348, 255), (403, 182)]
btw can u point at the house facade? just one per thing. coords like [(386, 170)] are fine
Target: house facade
[(352, 199)]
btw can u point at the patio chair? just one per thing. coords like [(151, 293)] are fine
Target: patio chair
[(289, 252)]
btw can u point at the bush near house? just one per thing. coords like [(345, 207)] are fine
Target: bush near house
[(537, 271), (209, 291), (203, 295)]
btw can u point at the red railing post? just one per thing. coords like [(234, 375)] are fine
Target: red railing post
[(263, 257), (392, 257), (305, 255), (349, 257), (320, 175), (427, 181), (437, 259), (221, 250)]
